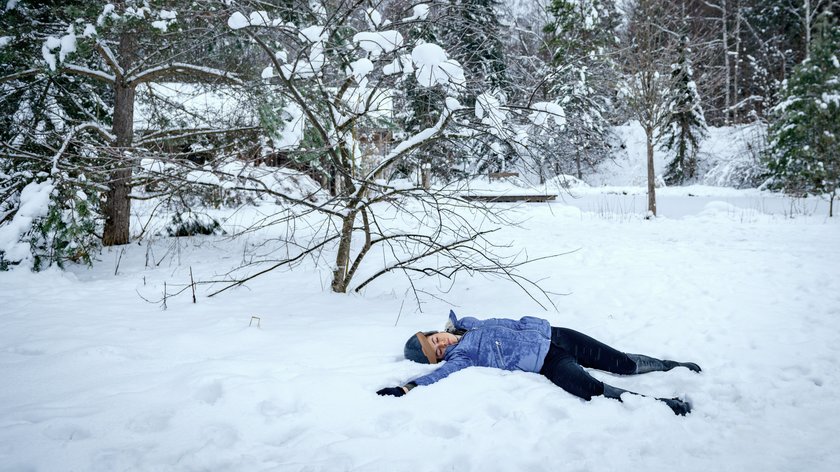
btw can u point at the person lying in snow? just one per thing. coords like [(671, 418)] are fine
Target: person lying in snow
[(532, 345)]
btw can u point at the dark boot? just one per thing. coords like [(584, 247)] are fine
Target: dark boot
[(615, 392), (679, 407), (646, 364)]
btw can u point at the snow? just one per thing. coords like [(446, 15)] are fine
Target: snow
[(433, 67), (291, 135), (46, 50), (360, 68), (545, 111), (96, 378), (237, 21), (373, 17), (488, 109), (723, 156), (379, 42), (107, 12), (68, 43), (89, 31), (194, 106), (5, 40), (313, 34), (419, 12), (34, 203), (259, 18), (401, 64)]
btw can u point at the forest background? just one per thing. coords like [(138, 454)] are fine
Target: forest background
[(339, 109)]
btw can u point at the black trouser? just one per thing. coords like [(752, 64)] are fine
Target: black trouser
[(571, 351)]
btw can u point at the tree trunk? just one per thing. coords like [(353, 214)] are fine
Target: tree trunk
[(737, 58), (651, 175), (342, 258), (726, 68), (807, 26), (117, 206)]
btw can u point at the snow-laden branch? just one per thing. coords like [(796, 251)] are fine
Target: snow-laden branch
[(110, 58), (19, 75), (179, 68), (88, 72), (72, 134), (418, 139), (169, 134)]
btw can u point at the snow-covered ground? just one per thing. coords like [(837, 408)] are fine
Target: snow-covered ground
[(95, 378)]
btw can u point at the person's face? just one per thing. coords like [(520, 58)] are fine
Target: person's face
[(440, 341)]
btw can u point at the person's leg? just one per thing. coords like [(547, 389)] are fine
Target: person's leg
[(590, 352), (561, 368), (646, 364), (678, 406)]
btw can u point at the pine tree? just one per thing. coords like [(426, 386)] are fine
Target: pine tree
[(686, 125), (804, 155)]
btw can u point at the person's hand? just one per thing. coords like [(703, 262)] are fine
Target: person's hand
[(393, 391)]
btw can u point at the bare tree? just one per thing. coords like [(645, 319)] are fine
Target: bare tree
[(332, 78), (647, 56)]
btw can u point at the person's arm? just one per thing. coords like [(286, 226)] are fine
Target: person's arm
[(466, 323), (453, 365)]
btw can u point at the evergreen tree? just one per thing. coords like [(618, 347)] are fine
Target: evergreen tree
[(804, 155), (39, 111), (580, 37), (685, 126), (470, 29)]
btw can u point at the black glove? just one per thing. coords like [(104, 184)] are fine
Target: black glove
[(393, 391)]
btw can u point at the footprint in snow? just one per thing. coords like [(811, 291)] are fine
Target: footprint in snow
[(219, 436), (150, 422), (393, 421), (66, 432), (440, 430), (210, 393)]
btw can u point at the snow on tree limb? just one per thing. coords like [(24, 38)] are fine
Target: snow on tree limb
[(422, 137), (181, 68), (95, 74), (109, 58)]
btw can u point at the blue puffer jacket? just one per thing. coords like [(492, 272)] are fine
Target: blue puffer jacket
[(496, 342)]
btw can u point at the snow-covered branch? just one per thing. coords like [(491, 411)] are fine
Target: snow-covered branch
[(107, 135), (413, 142), (109, 58), (87, 72), (169, 134), (180, 68), (19, 75)]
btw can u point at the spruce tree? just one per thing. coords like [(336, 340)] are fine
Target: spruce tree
[(470, 29), (804, 155), (686, 125), (581, 36)]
